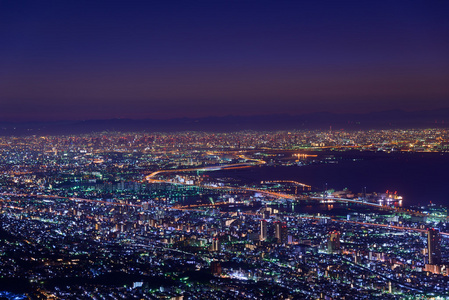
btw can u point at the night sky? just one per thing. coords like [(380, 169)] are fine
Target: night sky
[(164, 59)]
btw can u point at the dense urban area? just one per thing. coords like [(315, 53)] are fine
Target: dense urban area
[(138, 216)]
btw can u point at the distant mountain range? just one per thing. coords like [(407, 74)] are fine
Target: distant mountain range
[(322, 120)]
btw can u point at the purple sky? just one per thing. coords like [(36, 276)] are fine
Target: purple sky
[(137, 59)]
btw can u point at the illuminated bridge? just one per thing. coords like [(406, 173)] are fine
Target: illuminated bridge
[(397, 209), (289, 181), (210, 168), (349, 201)]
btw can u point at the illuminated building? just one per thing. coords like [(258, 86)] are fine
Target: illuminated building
[(333, 242), (434, 246), (216, 245), (281, 232), (263, 230)]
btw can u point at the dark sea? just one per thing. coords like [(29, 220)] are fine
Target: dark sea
[(420, 178)]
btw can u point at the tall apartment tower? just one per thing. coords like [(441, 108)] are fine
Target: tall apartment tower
[(263, 230), (333, 242), (434, 246), (281, 232), (216, 245)]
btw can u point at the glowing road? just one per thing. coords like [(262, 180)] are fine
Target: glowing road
[(150, 177)]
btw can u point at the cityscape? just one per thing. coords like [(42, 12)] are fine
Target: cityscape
[(167, 215), (225, 149)]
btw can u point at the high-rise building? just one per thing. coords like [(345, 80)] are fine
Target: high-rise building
[(215, 267), (281, 232), (434, 246), (263, 230), (333, 242), (216, 245)]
